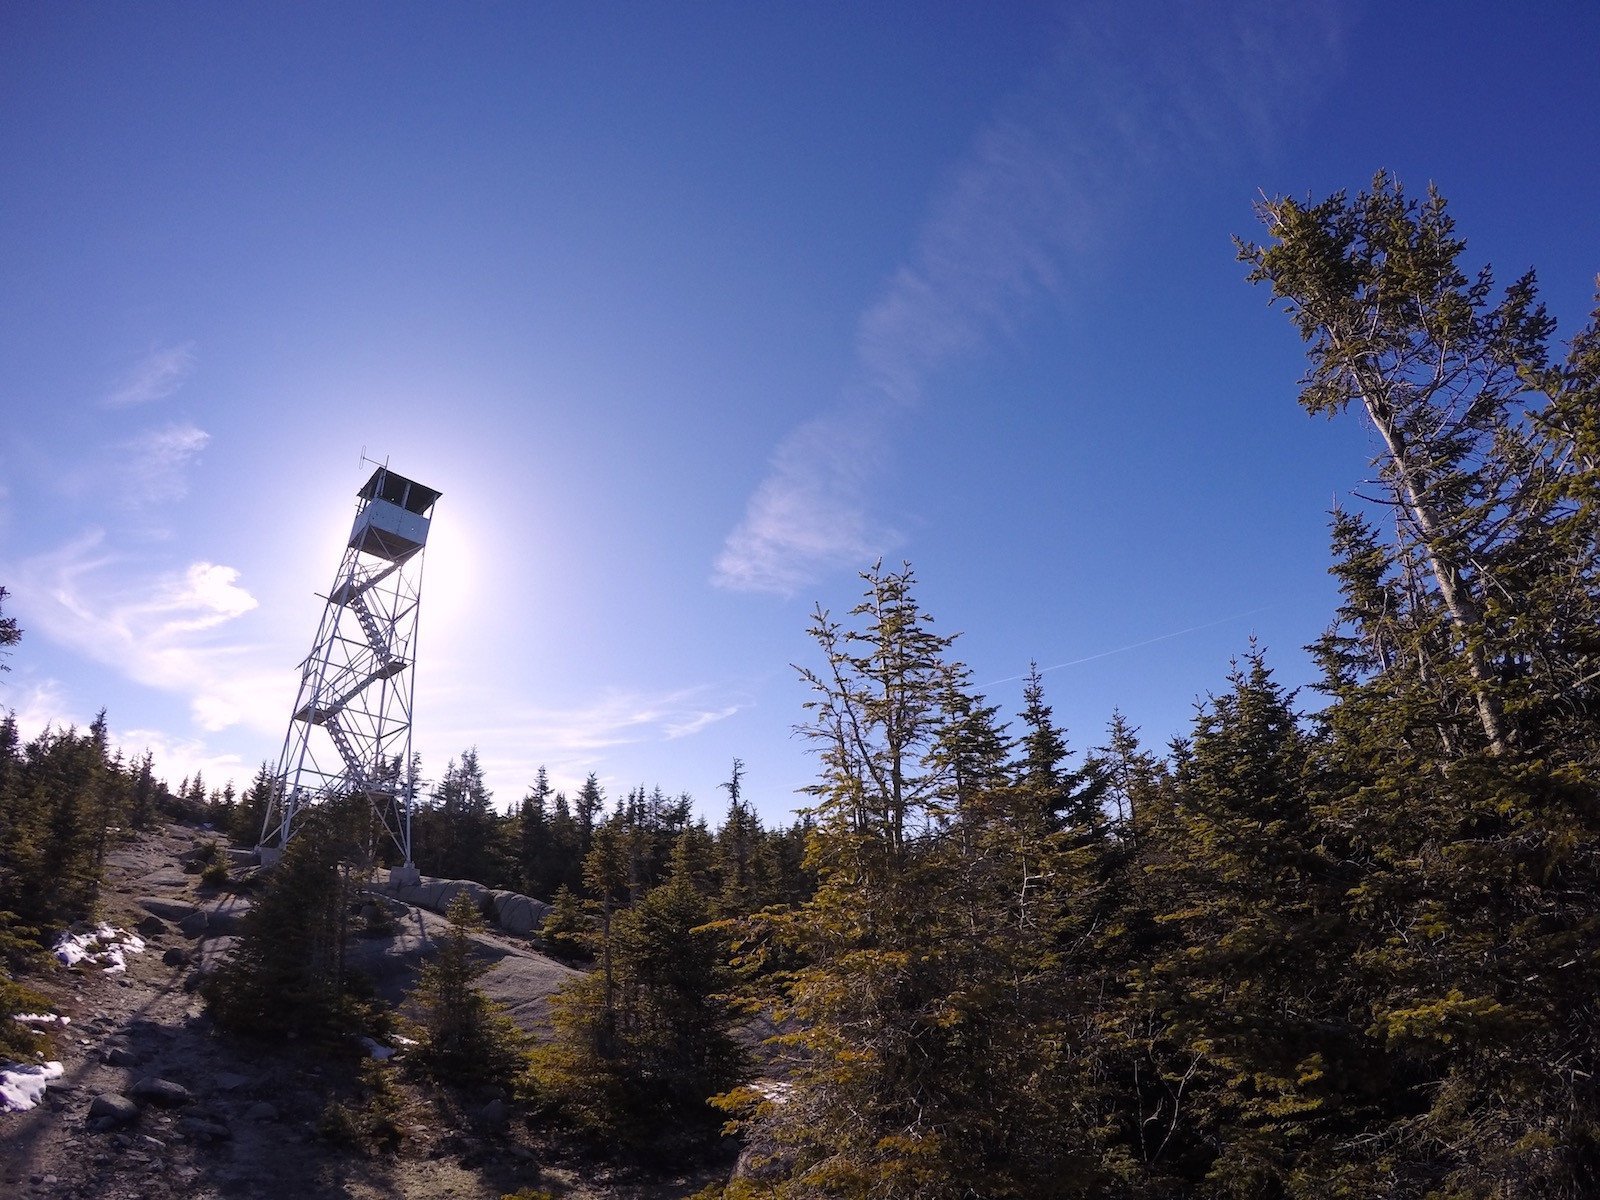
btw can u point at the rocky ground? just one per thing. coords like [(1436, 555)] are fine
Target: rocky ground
[(156, 1103)]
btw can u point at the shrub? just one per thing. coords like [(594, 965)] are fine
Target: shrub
[(215, 874), (372, 1123), (19, 1042), (377, 921)]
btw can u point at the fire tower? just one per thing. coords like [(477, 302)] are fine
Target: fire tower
[(350, 734)]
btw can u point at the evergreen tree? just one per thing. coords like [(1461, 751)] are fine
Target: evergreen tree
[(145, 793), (566, 857), (1455, 777), (287, 973), (737, 845), (458, 829), (909, 1065), (10, 634), (587, 809), (1444, 373), (605, 876), (565, 929), (534, 848), (639, 1047), (1246, 985), (251, 814), (467, 1038)]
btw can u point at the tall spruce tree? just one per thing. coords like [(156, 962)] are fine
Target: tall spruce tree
[(1455, 777), (912, 1068), (1444, 371), (534, 858)]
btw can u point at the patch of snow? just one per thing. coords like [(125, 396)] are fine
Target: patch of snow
[(377, 1049), (21, 1086), (104, 945), (775, 1090), (42, 1019)]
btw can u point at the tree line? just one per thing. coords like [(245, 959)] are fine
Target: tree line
[(541, 847)]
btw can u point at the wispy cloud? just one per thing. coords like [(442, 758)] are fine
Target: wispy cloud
[(39, 703), (809, 515), (699, 721), (613, 719), (158, 375), (141, 472), (156, 629), (1042, 186), (571, 741), (154, 465)]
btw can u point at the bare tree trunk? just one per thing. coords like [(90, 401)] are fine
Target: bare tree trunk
[(1466, 613)]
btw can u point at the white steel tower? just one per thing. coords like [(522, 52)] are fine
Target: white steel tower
[(350, 734)]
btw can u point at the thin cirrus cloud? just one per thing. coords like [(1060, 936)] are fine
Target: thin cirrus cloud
[(39, 705), (158, 375), (1040, 189)]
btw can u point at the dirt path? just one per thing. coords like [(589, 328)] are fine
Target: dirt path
[(245, 1124)]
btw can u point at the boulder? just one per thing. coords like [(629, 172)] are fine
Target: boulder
[(205, 1129), (521, 914), (432, 892), (513, 915), (475, 892), (213, 952), (162, 1092), (194, 924), (151, 926), (177, 956), (111, 1110)]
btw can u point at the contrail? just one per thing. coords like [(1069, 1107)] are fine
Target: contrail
[(1165, 637)]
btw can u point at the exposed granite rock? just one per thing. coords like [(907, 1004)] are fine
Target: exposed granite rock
[(163, 1092), (111, 1110)]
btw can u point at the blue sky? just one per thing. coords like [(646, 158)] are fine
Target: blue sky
[(691, 311)]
